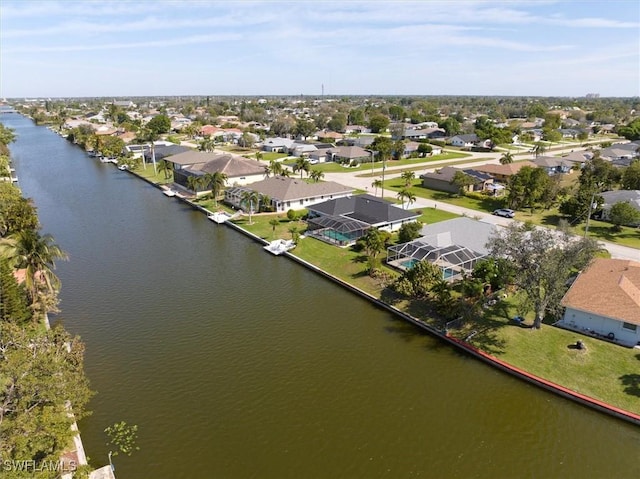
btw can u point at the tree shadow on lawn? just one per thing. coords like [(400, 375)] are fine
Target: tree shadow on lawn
[(631, 382), (552, 219)]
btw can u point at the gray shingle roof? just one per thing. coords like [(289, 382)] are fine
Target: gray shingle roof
[(290, 189), (466, 232), (366, 208)]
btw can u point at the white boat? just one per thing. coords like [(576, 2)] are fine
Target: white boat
[(123, 167), (169, 192), (280, 246), (219, 217)]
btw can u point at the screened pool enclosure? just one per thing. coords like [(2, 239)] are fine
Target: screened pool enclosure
[(452, 259), (336, 229)]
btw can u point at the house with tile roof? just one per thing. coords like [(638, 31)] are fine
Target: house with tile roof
[(503, 172), (604, 301), (289, 193), (239, 170)]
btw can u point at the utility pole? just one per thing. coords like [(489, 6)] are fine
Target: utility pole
[(586, 228)]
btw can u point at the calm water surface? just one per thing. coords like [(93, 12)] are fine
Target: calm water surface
[(237, 364)]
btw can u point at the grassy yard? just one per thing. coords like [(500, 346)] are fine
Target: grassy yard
[(148, 173), (268, 156)]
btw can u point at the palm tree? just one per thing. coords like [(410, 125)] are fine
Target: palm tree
[(194, 183), (274, 222), (302, 165), (275, 168), (250, 198), (316, 175), (295, 235), (167, 167), (408, 177), (506, 158), (258, 155), (539, 149), (36, 254), (377, 184), (406, 194), (208, 144), (217, 181)]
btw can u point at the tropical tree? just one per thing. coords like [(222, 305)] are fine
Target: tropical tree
[(166, 167), (539, 149), (373, 243), (417, 281), (216, 181), (506, 158), (406, 194), (207, 144), (37, 254), (462, 181), (159, 124), (274, 222), (194, 183), (544, 261), (295, 234), (408, 177), (251, 199), (302, 165), (409, 231), (383, 146), (316, 175), (376, 184)]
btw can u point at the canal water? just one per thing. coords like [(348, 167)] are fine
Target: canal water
[(237, 364)]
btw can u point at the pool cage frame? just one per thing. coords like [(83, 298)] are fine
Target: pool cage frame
[(336, 230), (454, 260)]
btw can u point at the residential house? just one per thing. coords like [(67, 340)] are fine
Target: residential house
[(277, 145), (343, 221), (350, 129), (239, 170), (553, 165), (465, 141), (455, 246), (124, 103), (604, 301), (442, 180), (348, 154), (423, 134), (503, 172), (328, 135), (578, 158), (288, 193), (161, 151), (610, 198), (302, 149), (621, 154)]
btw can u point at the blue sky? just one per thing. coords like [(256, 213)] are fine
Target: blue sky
[(134, 48)]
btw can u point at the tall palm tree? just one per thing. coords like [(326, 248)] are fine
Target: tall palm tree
[(408, 177), (275, 168), (406, 194), (166, 167), (217, 181), (251, 198), (194, 183), (539, 149), (316, 175), (274, 222), (37, 254), (376, 184), (302, 165), (506, 158)]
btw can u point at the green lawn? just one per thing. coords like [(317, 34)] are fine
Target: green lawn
[(148, 173)]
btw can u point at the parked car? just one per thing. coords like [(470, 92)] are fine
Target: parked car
[(504, 212)]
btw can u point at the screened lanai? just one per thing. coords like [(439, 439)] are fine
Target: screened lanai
[(452, 259), (336, 229)]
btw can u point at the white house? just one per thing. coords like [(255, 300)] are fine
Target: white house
[(604, 301)]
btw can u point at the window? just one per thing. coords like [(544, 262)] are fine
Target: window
[(630, 327)]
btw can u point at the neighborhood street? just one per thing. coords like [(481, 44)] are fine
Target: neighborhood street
[(356, 180)]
